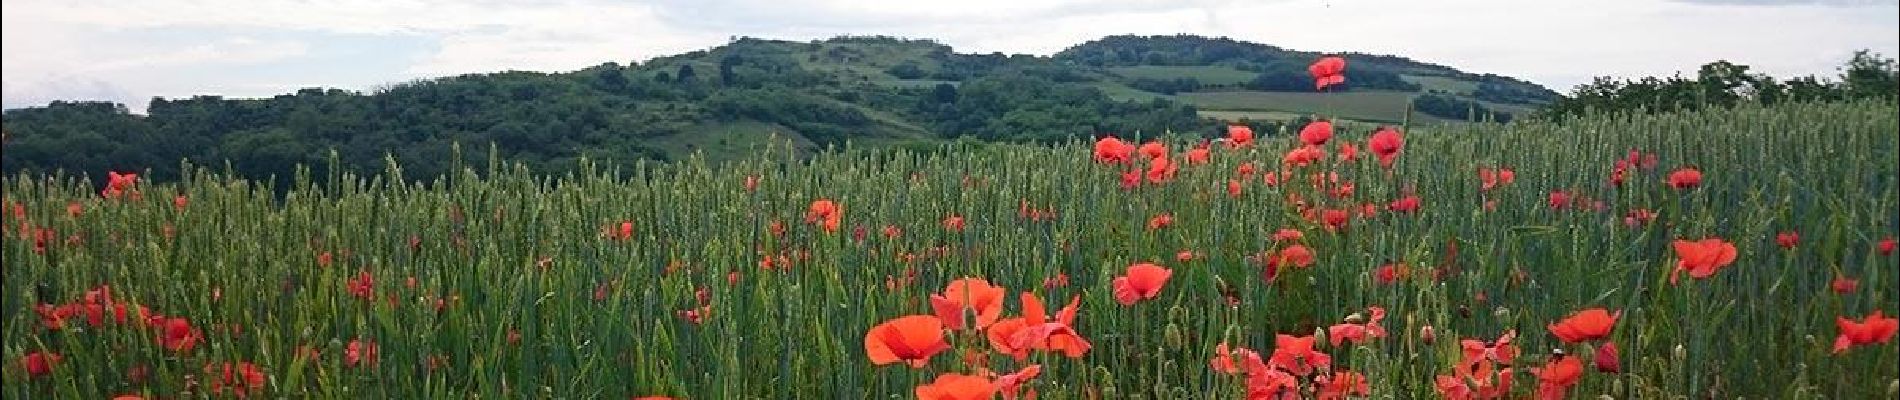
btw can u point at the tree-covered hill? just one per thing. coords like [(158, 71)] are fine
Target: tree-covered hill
[(723, 101)]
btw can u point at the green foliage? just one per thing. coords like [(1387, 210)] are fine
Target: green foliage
[(1165, 86), (518, 293), (1723, 84), (1280, 69), (866, 89), (1449, 107)]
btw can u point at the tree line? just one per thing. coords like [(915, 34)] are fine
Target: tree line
[(1724, 84)]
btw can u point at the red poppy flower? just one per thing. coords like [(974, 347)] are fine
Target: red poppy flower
[(696, 316), (1559, 199), (1872, 329), (1295, 354), (1153, 149), (1131, 179), (1244, 171), (1198, 155), (1161, 220), (179, 202), (1327, 71), (1886, 246), (825, 212), (1287, 234), (178, 335), (1034, 330), (1556, 377), (1702, 258), (1494, 178), (1501, 350), (1334, 219), (39, 363), (1303, 156), (1224, 359), (243, 378), (1843, 285), (1607, 360), (1316, 133), (117, 184), (1060, 280), (1239, 135), (1268, 383), (1344, 384), (1586, 325), (626, 230), (1386, 143), (954, 223), (1787, 239), (359, 352), (1638, 217), (363, 286), (1112, 150), (1685, 178), (1348, 152), (968, 294), (1481, 381), (1391, 273), (1407, 204), (1161, 170), (1354, 331), (912, 339), (957, 387), (1293, 256), (1011, 384), (1142, 281)]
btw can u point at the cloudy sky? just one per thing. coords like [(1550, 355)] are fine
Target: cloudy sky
[(132, 51)]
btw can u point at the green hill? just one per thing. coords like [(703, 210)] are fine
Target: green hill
[(727, 100), (1224, 78)]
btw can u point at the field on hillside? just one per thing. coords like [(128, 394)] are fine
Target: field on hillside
[(1205, 74), (1360, 105), (1716, 254)]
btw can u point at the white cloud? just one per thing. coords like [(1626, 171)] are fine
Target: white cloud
[(47, 44)]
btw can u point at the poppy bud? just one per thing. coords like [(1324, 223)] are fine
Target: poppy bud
[(1607, 360), (1425, 334), (1173, 335), (1679, 354)]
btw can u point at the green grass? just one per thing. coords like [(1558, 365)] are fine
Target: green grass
[(1206, 74), (1122, 92), (518, 260), (1450, 85)]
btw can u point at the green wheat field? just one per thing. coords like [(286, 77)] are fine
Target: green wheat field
[(698, 280)]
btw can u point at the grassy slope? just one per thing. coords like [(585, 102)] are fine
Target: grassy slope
[(866, 62), (1369, 106), (507, 328), (1207, 74)]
